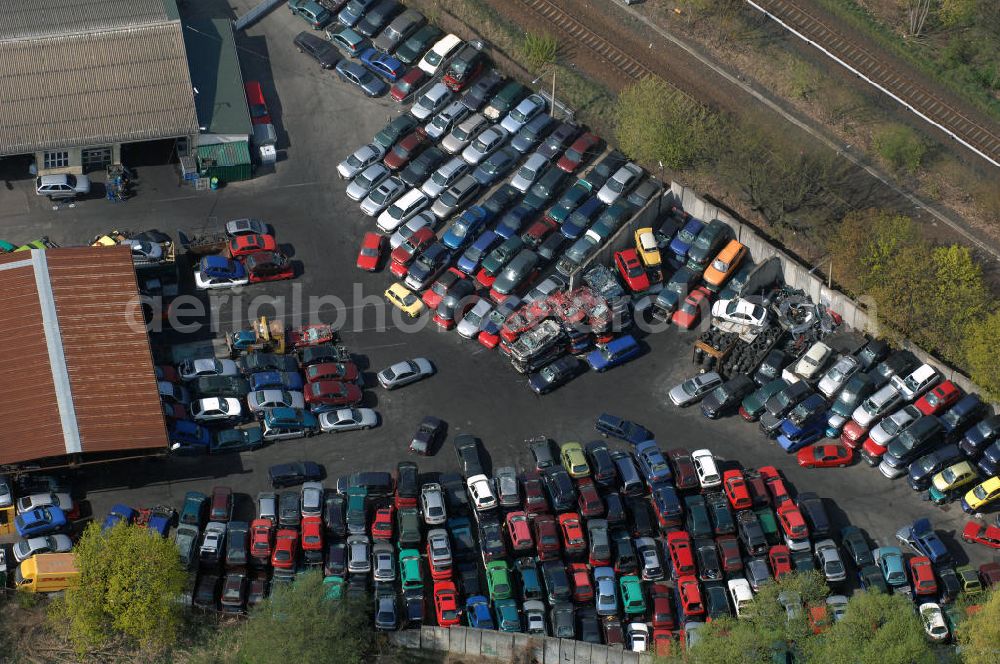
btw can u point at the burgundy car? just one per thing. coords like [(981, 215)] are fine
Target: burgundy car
[(729, 553), (406, 84), (534, 495), (332, 393), (684, 475), (407, 148), (578, 152), (546, 537), (403, 255)]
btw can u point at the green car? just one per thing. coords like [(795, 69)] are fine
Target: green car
[(409, 570), (236, 440), (408, 522), (234, 387), (395, 130), (498, 580), (573, 460), (333, 587), (508, 97), (768, 524), (631, 590), (570, 201), (507, 615), (6, 247), (753, 405), (414, 48), (356, 513)]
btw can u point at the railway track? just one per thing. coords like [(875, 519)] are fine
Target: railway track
[(892, 80)]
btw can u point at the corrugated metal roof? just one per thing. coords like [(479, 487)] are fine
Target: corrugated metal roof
[(215, 72), (234, 153), (106, 353), (34, 18), (107, 87)]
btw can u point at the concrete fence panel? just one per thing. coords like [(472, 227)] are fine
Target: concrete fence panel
[(551, 650), (473, 642), (567, 651)]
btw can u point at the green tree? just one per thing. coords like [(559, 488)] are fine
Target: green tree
[(979, 633), (979, 349), (959, 298), (901, 147), (957, 12), (130, 581), (654, 122)]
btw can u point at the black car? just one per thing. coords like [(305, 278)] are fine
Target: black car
[(751, 533), (602, 467), (386, 611), (560, 488), (948, 584), (335, 563), (555, 580), (782, 403), (558, 141), (468, 578), (413, 607), (407, 481), (624, 557), (421, 166), (378, 17), (614, 509), (467, 449), (811, 506), (617, 427), (206, 592), (640, 521), (491, 540), (428, 433), (454, 493), (873, 352), (500, 200), (555, 374), (977, 438), (899, 363), (604, 169), (869, 577), (856, 545), (719, 513), (803, 561), (709, 567), (541, 450), (923, 469), (297, 472), (726, 397), (357, 586), (481, 90), (319, 49), (333, 516), (237, 544), (289, 513), (698, 523), (588, 626), (716, 600), (551, 246)]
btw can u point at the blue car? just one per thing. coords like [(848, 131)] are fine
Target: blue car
[(219, 269), (619, 351), (513, 221), (40, 521), (188, 437), (527, 571), (469, 261), (118, 513), (667, 502), (890, 561), (922, 537), (652, 462), (496, 166), (580, 219), (383, 64), (804, 425), (276, 380), (353, 12), (685, 238), (508, 615), (477, 609), (618, 427), (466, 227)]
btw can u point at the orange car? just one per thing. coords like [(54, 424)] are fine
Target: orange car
[(724, 265)]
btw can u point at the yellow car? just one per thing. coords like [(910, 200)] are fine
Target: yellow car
[(404, 299), (954, 477), (645, 245), (981, 495), (573, 460)]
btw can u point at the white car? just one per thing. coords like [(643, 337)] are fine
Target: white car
[(893, 425), (638, 637), (347, 419), (740, 311), (472, 322), (431, 101), (810, 364), (246, 226), (61, 500), (24, 549), (406, 231), (311, 499), (740, 595), (481, 493), (523, 113), (193, 369), (405, 372), (444, 47), (261, 399), (6, 496), (918, 382), (933, 619), (403, 209), (216, 409), (706, 469), (432, 504), (694, 388), (360, 159), (624, 179), (841, 371), (212, 540)]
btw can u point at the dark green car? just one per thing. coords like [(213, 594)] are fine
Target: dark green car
[(753, 404), (414, 48), (502, 255), (545, 188), (395, 130), (570, 201), (236, 440), (233, 387), (509, 96)]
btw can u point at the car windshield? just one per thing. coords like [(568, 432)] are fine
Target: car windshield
[(979, 492)]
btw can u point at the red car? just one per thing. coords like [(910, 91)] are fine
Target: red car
[(261, 541), (981, 533), (484, 279), (825, 456), (534, 495), (681, 554), (432, 296), (406, 149), (736, 490), (729, 553), (312, 335), (663, 612), (519, 532), (589, 501), (382, 525), (370, 254), (268, 266), (332, 393), (939, 399), (874, 450), (446, 603), (663, 642), (631, 270), (255, 101), (578, 152), (690, 596), (779, 493), (286, 548), (346, 372), (688, 314), (167, 372), (781, 561), (685, 476), (538, 231), (312, 533), (406, 84), (574, 540), (403, 255), (922, 574), (853, 434), (792, 522), (579, 578), (244, 245), (546, 537)]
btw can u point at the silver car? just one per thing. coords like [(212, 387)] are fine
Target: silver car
[(460, 137), (438, 548), (382, 196), (455, 197), (36, 500), (523, 113), (446, 175), (839, 373), (261, 399), (828, 558), (358, 560), (404, 208), (485, 144), (432, 504), (508, 489), (348, 419), (186, 540), (693, 389), (652, 568), (551, 284), (405, 372), (443, 122), (360, 159), (383, 561), (605, 593), (620, 183), (534, 615), (364, 182), (193, 369), (757, 572), (245, 226), (26, 548), (431, 101), (529, 172), (311, 500), (472, 323)]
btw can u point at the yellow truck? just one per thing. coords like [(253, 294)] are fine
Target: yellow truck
[(47, 573)]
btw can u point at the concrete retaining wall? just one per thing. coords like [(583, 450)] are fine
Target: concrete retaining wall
[(504, 646)]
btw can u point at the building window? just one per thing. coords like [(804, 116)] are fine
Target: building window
[(55, 160)]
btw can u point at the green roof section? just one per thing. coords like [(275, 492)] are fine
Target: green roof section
[(170, 8), (219, 97), (230, 162)]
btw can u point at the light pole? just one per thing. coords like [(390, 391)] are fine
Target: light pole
[(659, 200)]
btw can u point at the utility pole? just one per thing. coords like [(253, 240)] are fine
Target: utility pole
[(552, 108)]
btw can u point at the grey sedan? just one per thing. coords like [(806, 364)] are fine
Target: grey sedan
[(693, 389), (24, 549), (355, 74), (485, 144), (365, 181), (360, 159), (348, 419), (405, 372), (382, 196)]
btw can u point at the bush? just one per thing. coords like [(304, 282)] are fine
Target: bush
[(901, 148), (979, 348), (539, 51)]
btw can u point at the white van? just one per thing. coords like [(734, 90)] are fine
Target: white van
[(740, 595), (441, 50)]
